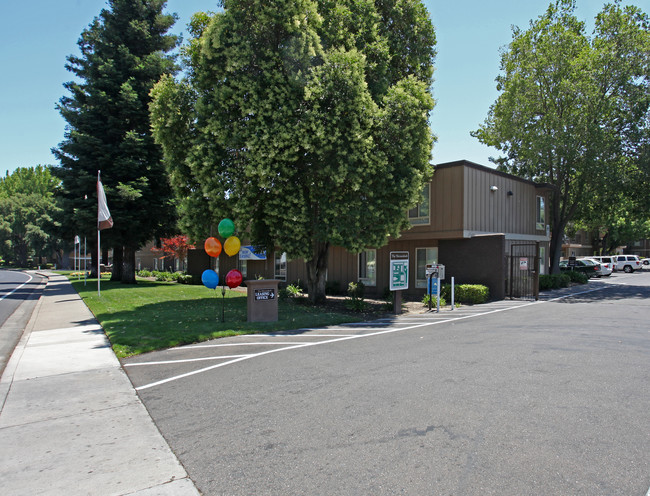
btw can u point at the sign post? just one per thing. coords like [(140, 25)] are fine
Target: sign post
[(399, 277), (434, 273)]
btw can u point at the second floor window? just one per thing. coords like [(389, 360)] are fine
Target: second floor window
[(420, 213), (541, 214)]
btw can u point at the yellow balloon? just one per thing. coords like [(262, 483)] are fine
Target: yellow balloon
[(232, 245)]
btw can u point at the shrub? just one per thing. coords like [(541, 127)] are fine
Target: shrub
[(333, 288), (471, 294), (186, 279), (553, 281), (576, 276), (291, 291), (356, 292), (145, 273), (425, 300)]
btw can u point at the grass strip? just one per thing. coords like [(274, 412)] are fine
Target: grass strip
[(154, 315)]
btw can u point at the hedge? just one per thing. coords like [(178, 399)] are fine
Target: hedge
[(470, 294)]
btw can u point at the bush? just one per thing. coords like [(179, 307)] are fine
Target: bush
[(425, 301), (186, 279), (356, 292), (144, 273), (576, 276), (333, 288), (553, 281), (291, 291), (470, 294)]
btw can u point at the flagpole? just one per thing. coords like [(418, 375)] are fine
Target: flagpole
[(104, 221), (99, 249), (99, 260)]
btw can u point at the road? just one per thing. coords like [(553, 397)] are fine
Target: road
[(19, 292), (507, 398)]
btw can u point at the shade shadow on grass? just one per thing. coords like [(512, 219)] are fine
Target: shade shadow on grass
[(150, 315)]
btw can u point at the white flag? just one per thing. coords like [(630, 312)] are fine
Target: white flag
[(104, 219)]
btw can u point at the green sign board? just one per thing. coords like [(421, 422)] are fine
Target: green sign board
[(399, 270)]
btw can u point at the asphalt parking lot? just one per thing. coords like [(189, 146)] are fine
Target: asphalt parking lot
[(506, 398)]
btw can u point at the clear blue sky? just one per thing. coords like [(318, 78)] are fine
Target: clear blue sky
[(36, 36)]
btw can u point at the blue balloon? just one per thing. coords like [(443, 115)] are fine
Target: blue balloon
[(210, 279)]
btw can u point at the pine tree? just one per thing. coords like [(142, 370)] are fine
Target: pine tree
[(124, 52)]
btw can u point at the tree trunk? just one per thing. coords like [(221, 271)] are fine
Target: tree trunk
[(317, 271), (128, 267), (118, 263), (555, 248)]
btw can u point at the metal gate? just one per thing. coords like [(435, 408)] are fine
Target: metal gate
[(523, 271)]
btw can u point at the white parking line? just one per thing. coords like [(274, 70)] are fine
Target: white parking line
[(294, 346), (189, 347), (167, 362)]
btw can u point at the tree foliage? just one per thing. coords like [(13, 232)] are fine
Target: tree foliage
[(176, 246), (124, 52), (574, 109), (306, 121), (28, 213)]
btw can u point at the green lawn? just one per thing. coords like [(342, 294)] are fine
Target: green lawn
[(151, 315)]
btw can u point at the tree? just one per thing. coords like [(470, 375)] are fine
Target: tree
[(305, 121), (573, 109), (27, 211), (124, 52), (176, 247)]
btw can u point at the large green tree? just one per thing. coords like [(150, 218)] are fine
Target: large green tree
[(124, 52), (27, 214), (306, 121), (573, 108)]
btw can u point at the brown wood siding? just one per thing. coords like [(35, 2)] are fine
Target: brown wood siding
[(446, 207), (497, 211)]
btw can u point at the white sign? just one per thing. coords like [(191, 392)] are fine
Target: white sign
[(523, 263), (399, 270), (436, 270), (249, 253)]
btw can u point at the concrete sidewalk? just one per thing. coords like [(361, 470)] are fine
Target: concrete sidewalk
[(70, 420)]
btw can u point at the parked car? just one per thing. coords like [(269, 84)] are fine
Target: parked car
[(628, 263), (646, 263), (587, 267), (607, 260), (605, 268)]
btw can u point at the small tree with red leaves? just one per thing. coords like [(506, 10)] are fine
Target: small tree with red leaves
[(176, 247)]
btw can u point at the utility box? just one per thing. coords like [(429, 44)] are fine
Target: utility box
[(262, 300)]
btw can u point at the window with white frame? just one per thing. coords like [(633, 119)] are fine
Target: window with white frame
[(280, 266), (424, 257), (541, 214), (368, 267), (243, 268), (420, 213)]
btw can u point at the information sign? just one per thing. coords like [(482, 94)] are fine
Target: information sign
[(523, 263), (264, 294), (399, 270)]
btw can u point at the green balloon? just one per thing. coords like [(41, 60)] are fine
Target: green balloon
[(226, 228)]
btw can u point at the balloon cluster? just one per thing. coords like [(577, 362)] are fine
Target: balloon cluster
[(231, 246)]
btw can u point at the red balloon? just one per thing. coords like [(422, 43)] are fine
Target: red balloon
[(213, 247), (234, 278)]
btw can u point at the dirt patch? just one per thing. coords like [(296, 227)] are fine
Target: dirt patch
[(373, 309)]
